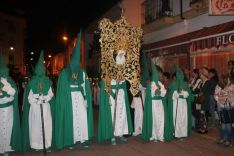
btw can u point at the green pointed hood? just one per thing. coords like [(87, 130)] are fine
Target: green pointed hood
[(145, 72), (4, 70), (154, 73), (75, 59), (179, 75), (180, 79), (40, 69)]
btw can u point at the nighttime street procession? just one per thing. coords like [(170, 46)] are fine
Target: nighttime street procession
[(117, 78)]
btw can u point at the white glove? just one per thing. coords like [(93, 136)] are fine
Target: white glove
[(176, 95), (11, 98), (5, 88), (4, 81), (36, 96), (40, 100), (41, 97)]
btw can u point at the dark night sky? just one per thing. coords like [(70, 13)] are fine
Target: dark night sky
[(48, 20)]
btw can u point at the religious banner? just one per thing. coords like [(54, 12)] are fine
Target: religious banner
[(221, 7), (120, 50)]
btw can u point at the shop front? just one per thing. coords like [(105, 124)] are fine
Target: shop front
[(212, 47)]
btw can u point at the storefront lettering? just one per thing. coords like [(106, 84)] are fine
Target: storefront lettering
[(225, 40), (221, 7)]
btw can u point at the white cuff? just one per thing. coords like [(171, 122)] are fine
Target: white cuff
[(175, 95), (184, 93), (49, 96), (9, 90), (6, 99)]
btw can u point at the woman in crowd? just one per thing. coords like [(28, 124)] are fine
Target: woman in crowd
[(224, 95), (195, 86), (203, 100)]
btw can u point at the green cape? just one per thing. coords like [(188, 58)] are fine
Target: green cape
[(147, 117), (174, 86), (39, 77), (105, 125), (64, 114), (15, 143), (26, 108), (16, 130)]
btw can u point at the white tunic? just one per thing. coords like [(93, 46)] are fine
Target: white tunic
[(118, 109), (181, 117), (79, 108), (158, 114), (6, 119), (137, 104), (34, 117)]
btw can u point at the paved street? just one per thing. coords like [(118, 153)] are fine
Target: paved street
[(194, 146), (197, 145)]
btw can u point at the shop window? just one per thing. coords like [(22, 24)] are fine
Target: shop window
[(157, 9)]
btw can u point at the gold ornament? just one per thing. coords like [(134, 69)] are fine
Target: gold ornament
[(74, 76), (116, 36)]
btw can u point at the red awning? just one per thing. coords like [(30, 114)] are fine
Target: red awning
[(192, 35)]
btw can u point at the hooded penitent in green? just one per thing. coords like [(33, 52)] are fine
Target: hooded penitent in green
[(72, 74), (15, 142), (148, 117), (38, 79), (105, 124), (176, 85)]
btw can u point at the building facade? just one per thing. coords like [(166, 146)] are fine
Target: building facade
[(188, 35), (12, 39)]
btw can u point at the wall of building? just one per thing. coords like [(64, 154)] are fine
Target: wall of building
[(133, 11), (186, 26), (12, 33)]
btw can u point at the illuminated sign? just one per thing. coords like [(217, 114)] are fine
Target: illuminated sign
[(225, 40), (221, 7)]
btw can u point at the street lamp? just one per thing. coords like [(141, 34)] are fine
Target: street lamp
[(11, 48), (49, 56), (31, 59), (65, 38), (32, 53)]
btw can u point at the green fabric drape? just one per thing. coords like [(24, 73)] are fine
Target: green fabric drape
[(105, 125), (148, 117), (25, 125), (15, 143), (176, 85), (39, 79), (16, 140), (63, 111)]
